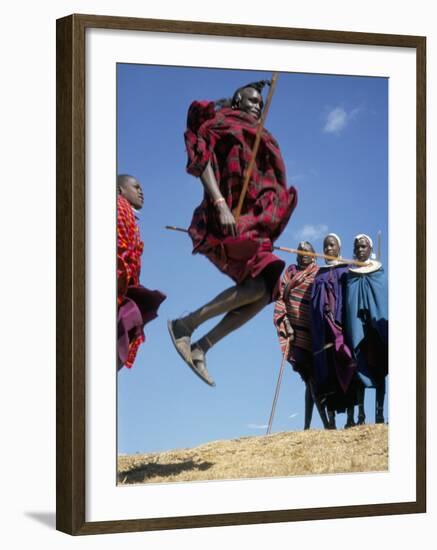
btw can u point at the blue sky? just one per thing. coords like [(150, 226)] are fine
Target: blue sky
[(333, 134)]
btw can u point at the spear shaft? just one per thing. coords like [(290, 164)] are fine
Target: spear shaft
[(317, 255), (278, 386), (290, 250), (248, 173)]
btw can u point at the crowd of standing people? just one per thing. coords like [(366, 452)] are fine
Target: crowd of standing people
[(332, 323)]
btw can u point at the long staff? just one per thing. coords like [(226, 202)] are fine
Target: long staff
[(290, 250), (278, 386), (260, 128), (317, 255)]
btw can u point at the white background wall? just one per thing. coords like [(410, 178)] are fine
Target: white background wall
[(28, 272)]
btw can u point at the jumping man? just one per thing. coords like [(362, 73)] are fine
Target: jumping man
[(219, 140)]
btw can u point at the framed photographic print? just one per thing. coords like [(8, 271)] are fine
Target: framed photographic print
[(219, 187)]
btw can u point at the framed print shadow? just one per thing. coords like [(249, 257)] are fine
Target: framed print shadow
[(235, 207)]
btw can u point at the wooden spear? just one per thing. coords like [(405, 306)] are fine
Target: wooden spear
[(278, 386), (248, 173), (317, 255), (290, 250)]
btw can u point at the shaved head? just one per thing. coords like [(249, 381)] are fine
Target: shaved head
[(123, 179), (129, 188)]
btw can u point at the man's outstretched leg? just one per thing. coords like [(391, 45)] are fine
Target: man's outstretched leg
[(232, 321), (250, 291)]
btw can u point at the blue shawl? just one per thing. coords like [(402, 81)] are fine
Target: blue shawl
[(366, 322)]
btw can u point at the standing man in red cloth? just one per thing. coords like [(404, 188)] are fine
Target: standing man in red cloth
[(137, 305), (219, 140)]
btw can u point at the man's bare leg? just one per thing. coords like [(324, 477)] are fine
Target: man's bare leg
[(321, 409), (379, 401), (247, 292), (360, 399), (181, 329), (331, 420), (350, 421), (232, 321), (309, 406)]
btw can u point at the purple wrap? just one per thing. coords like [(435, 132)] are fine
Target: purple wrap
[(139, 307), (332, 357)]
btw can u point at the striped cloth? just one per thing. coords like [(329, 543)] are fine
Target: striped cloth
[(294, 302)]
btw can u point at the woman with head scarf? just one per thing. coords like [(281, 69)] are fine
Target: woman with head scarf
[(334, 366), (291, 318), (367, 322)]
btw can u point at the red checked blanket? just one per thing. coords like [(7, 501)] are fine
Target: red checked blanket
[(225, 138)]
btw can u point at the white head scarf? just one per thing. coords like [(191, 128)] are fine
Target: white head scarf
[(337, 238), (369, 240)]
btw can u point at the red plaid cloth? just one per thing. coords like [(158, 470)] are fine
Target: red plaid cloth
[(137, 305), (225, 139), (129, 250)]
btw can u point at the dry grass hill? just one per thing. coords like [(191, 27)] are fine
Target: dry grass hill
[(359, 449)]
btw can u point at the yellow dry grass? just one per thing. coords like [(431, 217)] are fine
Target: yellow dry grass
[(359, 449)]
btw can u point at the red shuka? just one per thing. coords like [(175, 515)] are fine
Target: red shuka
[(129, 251), (129, 248), (137, 305), (225, 139)]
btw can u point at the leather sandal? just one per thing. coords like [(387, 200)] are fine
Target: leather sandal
[(198, 359), (182, 344)]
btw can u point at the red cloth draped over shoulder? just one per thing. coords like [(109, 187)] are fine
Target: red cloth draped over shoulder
[(129, 248), (137, 305), (225, 138)]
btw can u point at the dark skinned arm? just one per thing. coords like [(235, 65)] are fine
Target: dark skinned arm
[(225, 217)]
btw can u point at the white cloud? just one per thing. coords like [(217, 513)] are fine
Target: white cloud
[(293, 415), (338, 119), (310, 232), (257, 426)]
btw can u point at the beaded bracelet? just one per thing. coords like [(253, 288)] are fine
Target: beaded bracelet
[(217, 201)]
